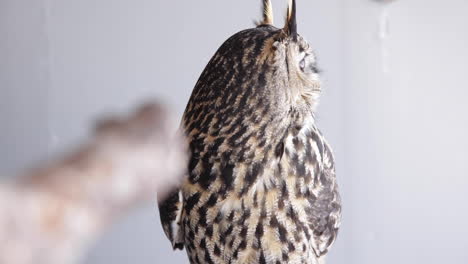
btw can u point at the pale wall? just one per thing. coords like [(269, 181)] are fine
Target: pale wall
[(399, 136)]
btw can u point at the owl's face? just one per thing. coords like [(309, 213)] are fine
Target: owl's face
[(296, 67)]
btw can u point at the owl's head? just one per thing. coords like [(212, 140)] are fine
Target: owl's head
[(264, 70), (290, 56)]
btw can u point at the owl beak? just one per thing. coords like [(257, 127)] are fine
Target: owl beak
[(291, 24)]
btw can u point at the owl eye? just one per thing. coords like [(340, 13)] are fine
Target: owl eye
[(302, 64)]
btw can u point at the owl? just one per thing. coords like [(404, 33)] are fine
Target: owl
[(260, 185)]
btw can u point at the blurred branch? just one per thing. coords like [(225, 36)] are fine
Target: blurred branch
[(53, 213)]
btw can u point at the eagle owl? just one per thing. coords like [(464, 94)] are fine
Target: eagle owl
[(260, 185)]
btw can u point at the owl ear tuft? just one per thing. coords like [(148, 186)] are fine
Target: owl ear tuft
[(291, 23), (267, 13)]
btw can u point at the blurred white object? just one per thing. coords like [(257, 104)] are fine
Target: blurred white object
[(384, 34), (53, 213)]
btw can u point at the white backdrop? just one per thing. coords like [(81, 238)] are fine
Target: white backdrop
[(406, 121), (394, 105)]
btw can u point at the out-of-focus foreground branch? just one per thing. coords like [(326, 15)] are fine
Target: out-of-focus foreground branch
[(53, 213)]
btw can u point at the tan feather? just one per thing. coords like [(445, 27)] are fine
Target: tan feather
[(267, 13)]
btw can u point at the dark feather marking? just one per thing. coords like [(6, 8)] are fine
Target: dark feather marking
[(202, 216), (191, 202), (291, 247), (259, 230), (205, 177), (217, 251), (227, 176), (279, 151), (262, 258), (212, 200), (300, 169), (282, 233), (254, 172), (237, 135), (209, 231)]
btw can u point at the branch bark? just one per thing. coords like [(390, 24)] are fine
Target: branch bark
[(53, 213)]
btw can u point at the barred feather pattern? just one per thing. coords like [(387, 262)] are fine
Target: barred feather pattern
[(261, 184)]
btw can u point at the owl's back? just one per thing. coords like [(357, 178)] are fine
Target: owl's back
[(284, 208)]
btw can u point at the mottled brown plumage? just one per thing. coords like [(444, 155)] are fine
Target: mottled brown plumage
[(261, 184)]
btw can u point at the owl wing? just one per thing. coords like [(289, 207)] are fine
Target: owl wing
[(170, 212), (325, 214)]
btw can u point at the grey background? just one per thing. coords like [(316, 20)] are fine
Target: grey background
[(394, 108)]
